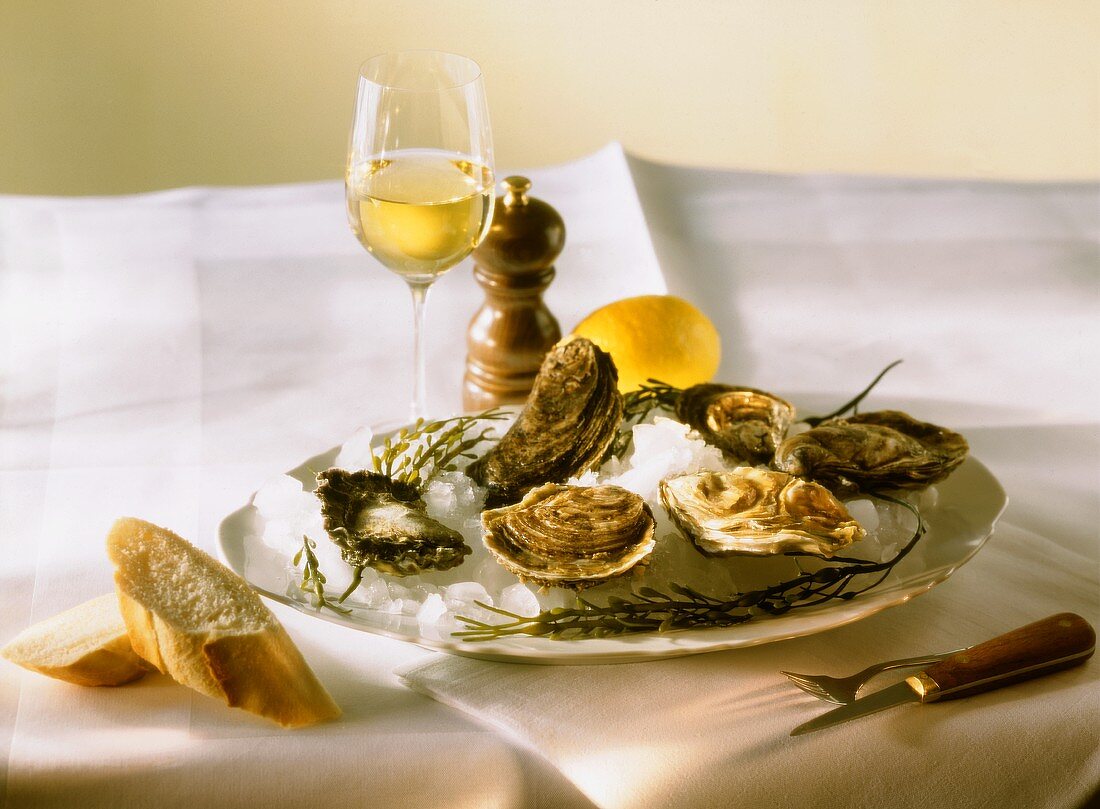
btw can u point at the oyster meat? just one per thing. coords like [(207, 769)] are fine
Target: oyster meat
[(571, 536), (886, 449), (384, 524), (745, 423), (759, 512), (565, 428)]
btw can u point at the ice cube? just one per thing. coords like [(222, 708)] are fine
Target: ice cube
[(519, 599), (585, 479), (373, 595), (425, 590), (279, 537), (356, 452), (469, 496), (447, 624), (464, 593), (399, 591), (430, 612), (896, 524), (441, 499), (453, 497), (281, 497), (863, 511), (297, 512), (312, 525)]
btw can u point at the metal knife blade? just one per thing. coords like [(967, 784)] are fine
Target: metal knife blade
[(864, 706)]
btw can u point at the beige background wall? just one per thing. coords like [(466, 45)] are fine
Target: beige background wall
[(126, 95)]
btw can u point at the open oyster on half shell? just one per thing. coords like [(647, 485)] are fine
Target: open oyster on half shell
[(885, 449), (565, 428), (384, 524), (571, 536), (758, 512), (745, 423)]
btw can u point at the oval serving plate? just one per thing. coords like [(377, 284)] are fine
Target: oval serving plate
[(969, 504)]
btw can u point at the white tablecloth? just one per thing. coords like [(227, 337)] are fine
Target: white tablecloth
[(165, 354)]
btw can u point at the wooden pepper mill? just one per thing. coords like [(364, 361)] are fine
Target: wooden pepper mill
[(513, 329)]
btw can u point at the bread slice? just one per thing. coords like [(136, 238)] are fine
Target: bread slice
[(86, 645), (200, 623)]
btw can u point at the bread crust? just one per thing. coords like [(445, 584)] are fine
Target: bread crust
[(261, 674), (260, 671)]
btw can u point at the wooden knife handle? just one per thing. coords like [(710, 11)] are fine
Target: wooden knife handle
[(1054, 643)]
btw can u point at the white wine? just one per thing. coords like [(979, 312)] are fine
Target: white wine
[(420, 212), (420, 172)]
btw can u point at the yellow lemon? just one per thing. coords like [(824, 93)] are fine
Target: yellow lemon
[(655, 336)]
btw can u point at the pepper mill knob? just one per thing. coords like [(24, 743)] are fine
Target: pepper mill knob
[(512, 331)]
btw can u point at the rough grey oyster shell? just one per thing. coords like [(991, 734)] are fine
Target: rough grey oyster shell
[(571, 536), (745, 423), (886, 449), (381, 523), (565, 428), (759, 512)]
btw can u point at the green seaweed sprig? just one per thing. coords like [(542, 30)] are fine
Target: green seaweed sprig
[(405, 458), (649, 610), (313, 580)]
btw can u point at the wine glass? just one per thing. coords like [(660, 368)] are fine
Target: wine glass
[(419, 176)]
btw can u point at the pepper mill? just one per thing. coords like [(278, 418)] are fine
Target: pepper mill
[(512, 331)]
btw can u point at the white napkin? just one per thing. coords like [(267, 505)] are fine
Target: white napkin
[(713, 729)]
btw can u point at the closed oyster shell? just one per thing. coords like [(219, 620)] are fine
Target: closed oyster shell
[(565, 428), (759, 512), (384, 524), (745, 423), (885, 449), (571, 536)]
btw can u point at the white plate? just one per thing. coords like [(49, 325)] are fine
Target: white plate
[(969, 504)]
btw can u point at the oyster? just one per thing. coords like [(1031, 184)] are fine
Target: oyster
[(565, 428), (886, 449), (745, 423), (571, 536), (759, 512), (382, 523)]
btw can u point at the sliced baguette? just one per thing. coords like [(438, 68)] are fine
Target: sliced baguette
[(200, 623), (86, 645)]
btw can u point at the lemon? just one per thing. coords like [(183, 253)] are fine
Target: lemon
[(655, 336)]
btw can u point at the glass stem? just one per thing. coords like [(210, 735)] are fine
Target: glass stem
[(420, 301)]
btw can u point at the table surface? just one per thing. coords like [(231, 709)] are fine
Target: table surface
[(163, 355)]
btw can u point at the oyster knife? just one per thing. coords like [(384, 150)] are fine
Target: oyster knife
[(1054, 643)]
